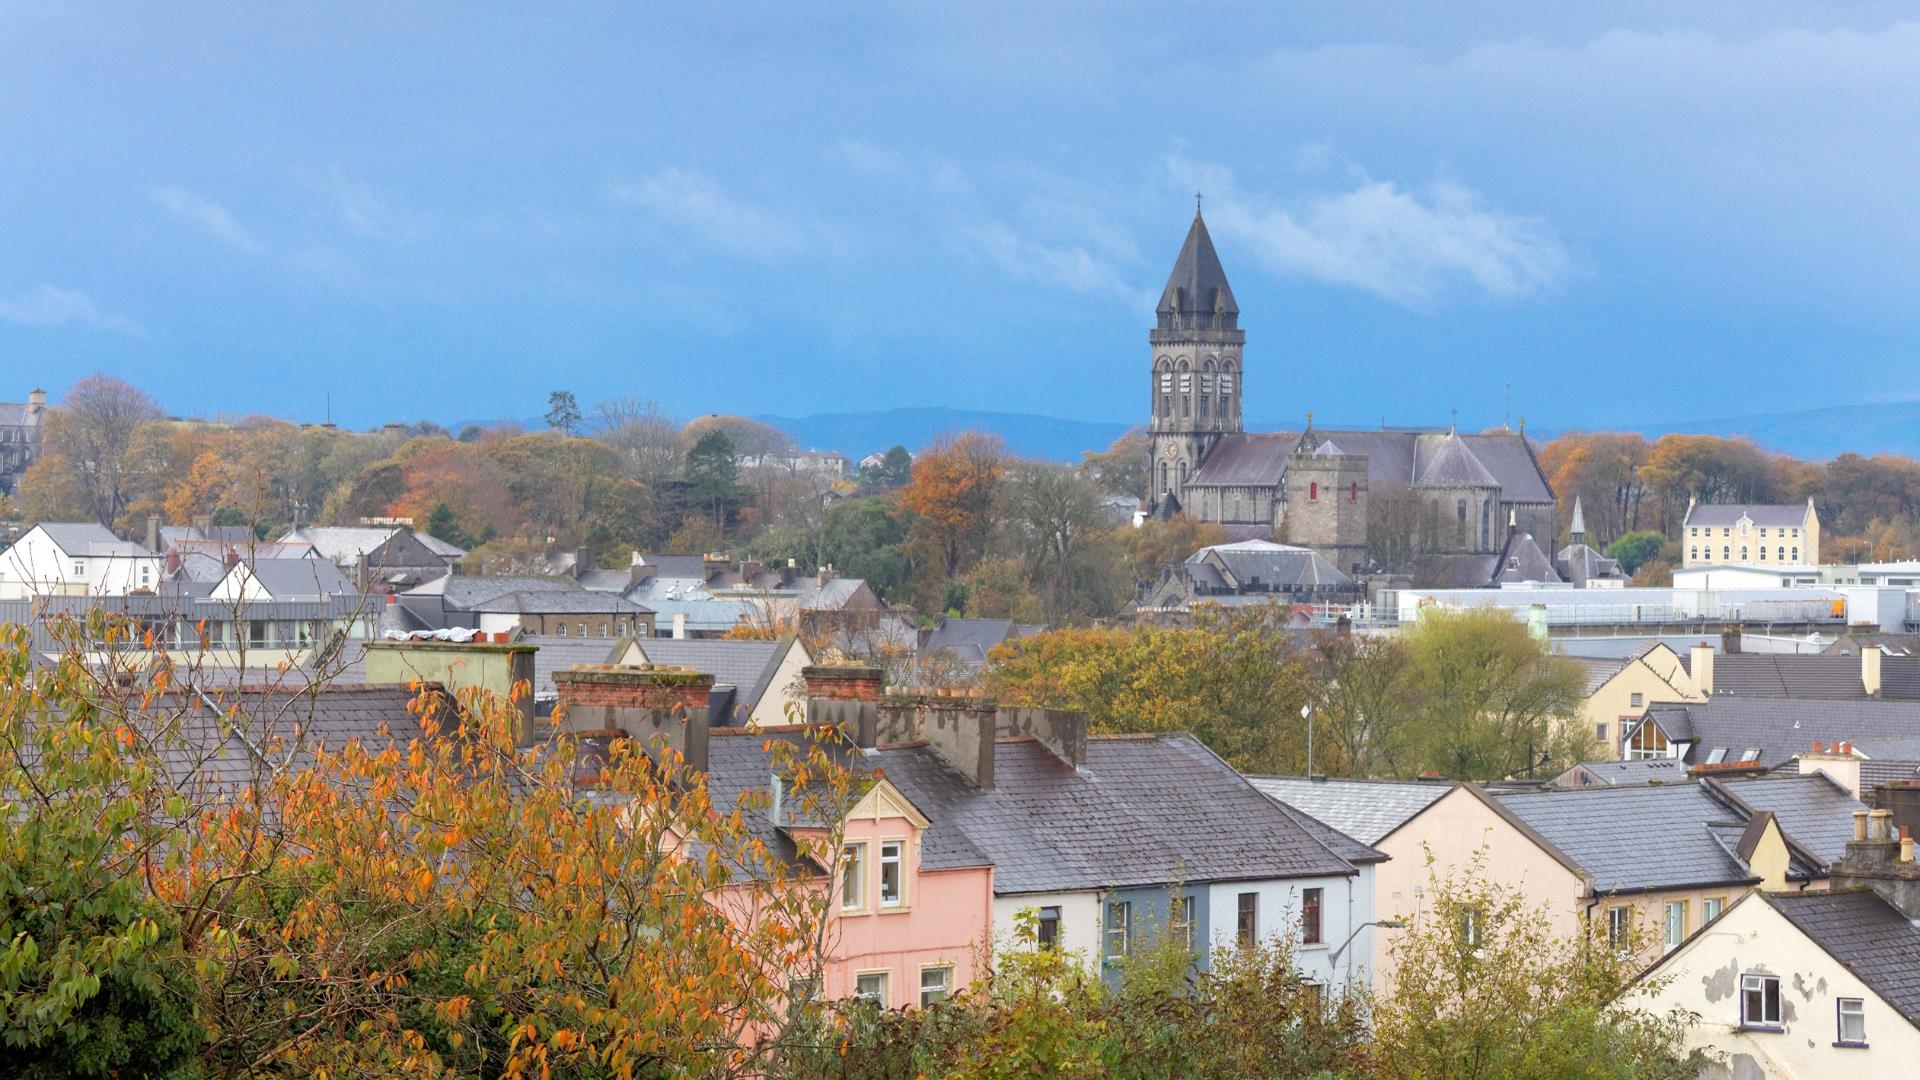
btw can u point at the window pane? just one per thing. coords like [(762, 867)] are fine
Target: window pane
[(1048, 930), (1853, 1020), (1119, 914), (852, 872), (1310, 916), (872, 986), (890, 892), (1249, 918), (934, 984)]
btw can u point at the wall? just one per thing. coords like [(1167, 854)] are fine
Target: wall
[(1346, 903), (946, 921), (1613, 705), (787, 688), (1463, 836), (1703, 977), (1079, 919), (35, 566)]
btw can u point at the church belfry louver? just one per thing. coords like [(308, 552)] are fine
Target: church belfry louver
[(1196, 385)]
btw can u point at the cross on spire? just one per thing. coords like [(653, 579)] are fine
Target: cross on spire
[(1453, 421)]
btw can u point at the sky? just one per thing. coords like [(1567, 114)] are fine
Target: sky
[(1585, 215)]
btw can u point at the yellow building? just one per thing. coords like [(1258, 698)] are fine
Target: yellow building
[(1618, 692), (1728, 534)]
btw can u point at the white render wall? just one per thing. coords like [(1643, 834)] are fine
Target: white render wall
[(1346, 903), (35, 566), (1079, 919)]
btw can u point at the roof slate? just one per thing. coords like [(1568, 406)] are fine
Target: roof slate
[(1785, 675), (1722, 515), (1812, 810), (1367, 810), (1636, 838), (1781, 728), (1868, 936)]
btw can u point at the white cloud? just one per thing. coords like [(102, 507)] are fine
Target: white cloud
[(50, 305), (1412, 247), (935, 174), (206, 215), (1064, 266), (695, 204)]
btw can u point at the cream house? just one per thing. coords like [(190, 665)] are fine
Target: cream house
[(1618, 692), (1720, 534), (1805, 985)]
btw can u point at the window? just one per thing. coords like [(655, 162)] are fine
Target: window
[(1726, 531), (1693, 553), (1726, 552), (1763, 553), (1470, 927), (1853, 1021), (1694, 533), (1780, 553), (1637, 700), (801, 991), (1166, 382), (1796, 554), (561, 630), (1752, 753), (1310, 916), (935, 984), (1717, 755), (871, 986), (1676, 923), (853, 877), (1180, 919), (79, 568), (1743, 553), (1711, 907), (583, 629), (893, 891), (1763, 532), (1600, 731), (1247, 924), (1759, 1001), (1047, 928), (1119, 925), (1648, 742), (1619, 926), (256, 633), (1314, 998), (1353, 491), (146, 574)]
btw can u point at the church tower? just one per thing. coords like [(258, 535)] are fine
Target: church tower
[(1196, 343)]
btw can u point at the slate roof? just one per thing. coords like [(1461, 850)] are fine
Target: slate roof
[(1580, 564), (1521, 560), (1783, 675), (1367, 810), (1722, 515), (676, 566), (1813, 810), (1780, 728), (1868, 936), (1638, 838), (747, 666), (298, 578), (558, 602), (1199, 277), (1643, 771), (1263, 561), (90, 539), (1240, 460), (967, 641), (1599, 670), (553, 653), (1446, 462), (464, 591)]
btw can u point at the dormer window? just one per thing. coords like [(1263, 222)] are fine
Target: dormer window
[(893, 878)]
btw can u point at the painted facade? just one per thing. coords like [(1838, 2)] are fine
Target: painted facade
[(1655, 676), (76, 560)]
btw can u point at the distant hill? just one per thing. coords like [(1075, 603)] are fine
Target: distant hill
[(1886, 428), (857, 434)]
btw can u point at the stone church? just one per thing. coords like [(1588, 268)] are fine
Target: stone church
[(1463, 499)]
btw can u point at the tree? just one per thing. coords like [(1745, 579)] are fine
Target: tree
[(645, 436), (1121, 469), (563, 412), (1494, 702), (1634, 549), (1484, 988), (894, 470), (955, 490), (713, 478), (90, 433), (1061, 522)]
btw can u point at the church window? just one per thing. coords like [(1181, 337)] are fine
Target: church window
[(1183, 474), (1226, 382), (1486, 525), (1313, 492), (1186, 383), (1206, 383), (1353, 491), (1166, 382), (1164, 486), (1460, 525), (1203, 407), (1186, 404), (1166, 405)]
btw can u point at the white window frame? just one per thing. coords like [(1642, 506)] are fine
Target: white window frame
[(1759, 983), (945, 987), (898, 860), (1180, 918), (878, 996), (79, 568), (1121, 927), (853, 871), (1319, 916), (1854, 1009), (1045, 917), (1619, 926), (1675, 926), (1711, 907)]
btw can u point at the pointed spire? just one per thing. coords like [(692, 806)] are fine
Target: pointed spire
[(1577, 532), (1197, 290)]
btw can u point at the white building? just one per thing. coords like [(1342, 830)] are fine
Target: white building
[(76, 559)]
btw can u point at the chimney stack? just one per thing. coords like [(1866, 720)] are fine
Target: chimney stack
[(1881, 862), (661, 708), (1837, 761), (846, 696), (497, 669), (582, 562), (153, 533), (679, 626), (960, 729), (1730, 641), (1870, 670), (203, 524), (1701, 666)]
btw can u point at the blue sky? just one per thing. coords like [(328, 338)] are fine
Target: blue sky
[(1629, 213)]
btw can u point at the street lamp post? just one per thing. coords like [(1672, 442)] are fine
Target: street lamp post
[(1333, 958)]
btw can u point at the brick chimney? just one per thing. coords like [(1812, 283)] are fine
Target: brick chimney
[(1730, 641), (1877, 859), (639, 570), (1701, 666), (661, 708), (847, 696)]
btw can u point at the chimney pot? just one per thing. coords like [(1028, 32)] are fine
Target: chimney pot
[(1859, 825), (1906, 845)]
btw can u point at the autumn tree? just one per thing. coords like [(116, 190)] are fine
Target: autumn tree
[(1120, 469), (953, 497), (645, 436), (1602, 470), (1065, 539)]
